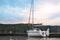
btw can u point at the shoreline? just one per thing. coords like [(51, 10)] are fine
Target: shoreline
[(51, 35)]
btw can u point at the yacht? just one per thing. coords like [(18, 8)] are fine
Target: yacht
[(36, 32)]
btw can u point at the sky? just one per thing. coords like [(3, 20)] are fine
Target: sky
[(46, 12)]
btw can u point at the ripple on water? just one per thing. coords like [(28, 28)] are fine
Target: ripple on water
[(25, 38)]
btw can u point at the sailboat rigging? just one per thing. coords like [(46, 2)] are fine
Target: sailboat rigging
[(35, 32)]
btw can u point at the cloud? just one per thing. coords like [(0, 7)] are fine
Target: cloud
[(13, 14), (55, 21), (14, 11), (44, 11)]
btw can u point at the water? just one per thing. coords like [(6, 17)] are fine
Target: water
[(25, 38)]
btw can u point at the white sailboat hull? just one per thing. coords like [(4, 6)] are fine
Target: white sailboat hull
[(33, 33), (38, 33)]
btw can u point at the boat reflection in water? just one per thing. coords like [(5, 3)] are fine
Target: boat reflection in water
[(25, 38), (43, 39)]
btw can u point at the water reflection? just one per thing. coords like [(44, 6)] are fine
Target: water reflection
[(25, 38), (13, 38), (17, 38), (43, 38), (37, 38)]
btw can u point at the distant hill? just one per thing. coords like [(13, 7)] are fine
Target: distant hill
[(22, 28)]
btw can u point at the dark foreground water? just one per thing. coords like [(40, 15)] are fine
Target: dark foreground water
[(25, 38)]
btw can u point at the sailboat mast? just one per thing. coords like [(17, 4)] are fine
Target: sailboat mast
[(31, 14), (32, 11)]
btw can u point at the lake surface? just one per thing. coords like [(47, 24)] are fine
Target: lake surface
[(25, 38)]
